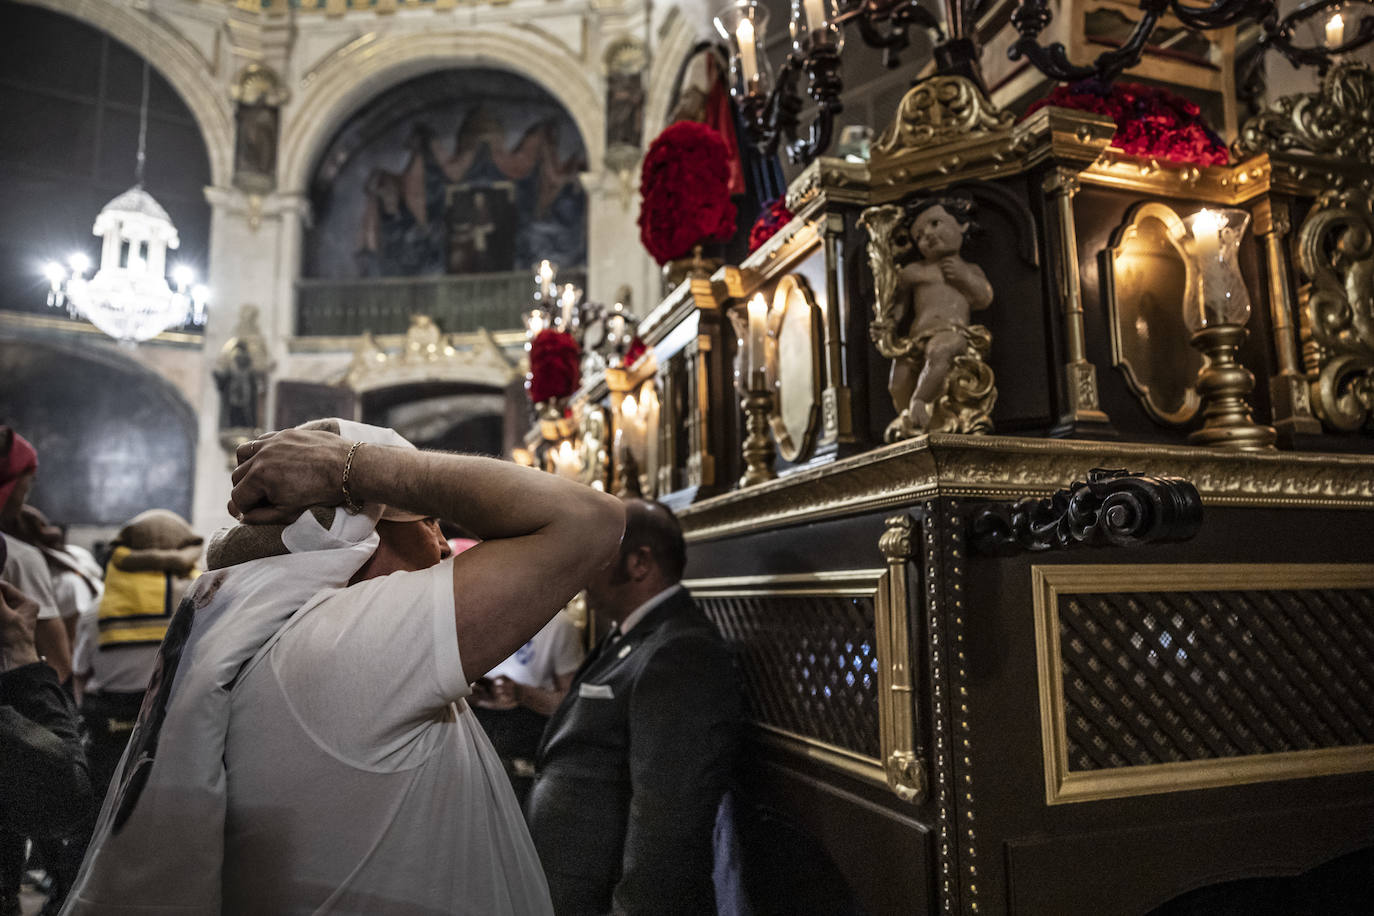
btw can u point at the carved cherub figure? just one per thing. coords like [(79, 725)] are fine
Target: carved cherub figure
[(927, 293)]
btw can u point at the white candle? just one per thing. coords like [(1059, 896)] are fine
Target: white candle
[(545, 279), (629, 408), (815, 14), (758, 313), (748, 53), (568, 296), (1207, 226), (1335, 31)]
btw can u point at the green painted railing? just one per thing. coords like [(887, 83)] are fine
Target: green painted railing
[(458, 304)]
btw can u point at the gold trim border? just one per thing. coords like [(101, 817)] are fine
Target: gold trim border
[(837, 758), (1049, 582), (894, 664), (1004, 467)]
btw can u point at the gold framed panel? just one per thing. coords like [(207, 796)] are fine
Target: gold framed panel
[(794, 367), (896, 711), (1062, 786), (1144, 275)]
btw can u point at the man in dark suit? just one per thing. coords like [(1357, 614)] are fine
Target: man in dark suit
[(633, 763)]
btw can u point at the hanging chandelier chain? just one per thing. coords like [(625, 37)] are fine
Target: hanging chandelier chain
[(142, 129)]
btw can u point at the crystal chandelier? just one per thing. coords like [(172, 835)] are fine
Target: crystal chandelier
[(129, 297)]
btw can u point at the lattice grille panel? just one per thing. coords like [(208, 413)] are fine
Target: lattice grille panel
[(809, 663), (1171, 676)]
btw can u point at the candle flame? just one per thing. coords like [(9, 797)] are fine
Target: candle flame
[(629, 407)]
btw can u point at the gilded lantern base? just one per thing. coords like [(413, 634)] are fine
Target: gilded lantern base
[(758, 449), (1223, 384)]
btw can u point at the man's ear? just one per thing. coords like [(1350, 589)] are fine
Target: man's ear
[(639, 563)]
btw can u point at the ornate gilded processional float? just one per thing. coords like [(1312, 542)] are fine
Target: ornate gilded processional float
[(1032, 483)]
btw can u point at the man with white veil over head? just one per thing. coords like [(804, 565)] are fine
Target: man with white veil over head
[(305, 746)]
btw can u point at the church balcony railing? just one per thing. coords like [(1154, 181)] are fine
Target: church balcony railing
[(383, 305)]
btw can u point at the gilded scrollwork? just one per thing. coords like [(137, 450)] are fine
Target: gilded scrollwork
[(939, 110), (1337, 120), (1336, 253)]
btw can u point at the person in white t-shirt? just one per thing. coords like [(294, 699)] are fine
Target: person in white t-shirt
[(357, 779), (514, 701)]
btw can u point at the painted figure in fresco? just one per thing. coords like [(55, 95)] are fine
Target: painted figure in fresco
[(927, 293)]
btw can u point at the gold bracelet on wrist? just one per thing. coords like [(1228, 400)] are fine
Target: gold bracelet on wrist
[(350, 504)]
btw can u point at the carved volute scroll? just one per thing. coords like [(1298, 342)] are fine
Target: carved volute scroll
[(1336, 121), (896, 698), (1112, 508), (1336, 252), (939, 110)]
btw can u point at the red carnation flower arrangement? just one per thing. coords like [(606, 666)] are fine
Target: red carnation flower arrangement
[(637, 349), (1150, 122), (685, 185), (775, 215), (555, 360)]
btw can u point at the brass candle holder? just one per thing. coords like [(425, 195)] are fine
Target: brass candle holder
[(758, 450), (1216, 307), (1223, 384)]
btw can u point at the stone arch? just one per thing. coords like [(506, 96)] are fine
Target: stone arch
[(366, 69), (179, 63), (113, 436)]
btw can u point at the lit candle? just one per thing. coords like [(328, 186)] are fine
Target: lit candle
[(629, 408), (758, 313), (569, 295), (534, 323), (748, 53), (545, 279), (1207, 226), (815, 15), (1335, 31)]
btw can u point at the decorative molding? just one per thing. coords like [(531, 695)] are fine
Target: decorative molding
[(428, 356), (1336, 121), (1111, 508), (257, 84), (906, 771), (83, 331), (1336, 252), (1002, 467), (937, 111)]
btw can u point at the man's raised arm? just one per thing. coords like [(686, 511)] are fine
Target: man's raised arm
[(543, 536)]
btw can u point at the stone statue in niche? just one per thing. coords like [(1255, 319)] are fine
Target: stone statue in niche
[(258, 97), (926, 294), (240, 374)]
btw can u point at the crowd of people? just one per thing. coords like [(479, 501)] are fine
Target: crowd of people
[(332, 707)]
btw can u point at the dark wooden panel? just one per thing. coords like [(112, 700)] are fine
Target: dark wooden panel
[(814, 843)]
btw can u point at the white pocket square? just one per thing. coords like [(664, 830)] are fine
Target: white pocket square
[(595, 691)]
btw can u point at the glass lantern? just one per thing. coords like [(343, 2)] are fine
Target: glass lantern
[(1214, 292), (814, 26), (744, 25)]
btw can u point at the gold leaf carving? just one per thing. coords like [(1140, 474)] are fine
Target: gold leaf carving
[(939, 110), (1337, 120), (1336, 251)]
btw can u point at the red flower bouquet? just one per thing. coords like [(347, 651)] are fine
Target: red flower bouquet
[(637, 349), (775, 215), (555, 359), (685, 185), (1150, 122)]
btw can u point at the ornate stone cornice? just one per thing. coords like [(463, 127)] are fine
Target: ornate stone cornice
[(1001, 467)]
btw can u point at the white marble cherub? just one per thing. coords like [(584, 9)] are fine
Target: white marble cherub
[(924, 326)]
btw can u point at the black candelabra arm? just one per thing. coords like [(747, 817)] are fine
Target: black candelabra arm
[(1278, 35), (1032, 16), (823, 69), (901, 15)]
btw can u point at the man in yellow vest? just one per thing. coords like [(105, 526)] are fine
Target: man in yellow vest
[(154, 560)]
